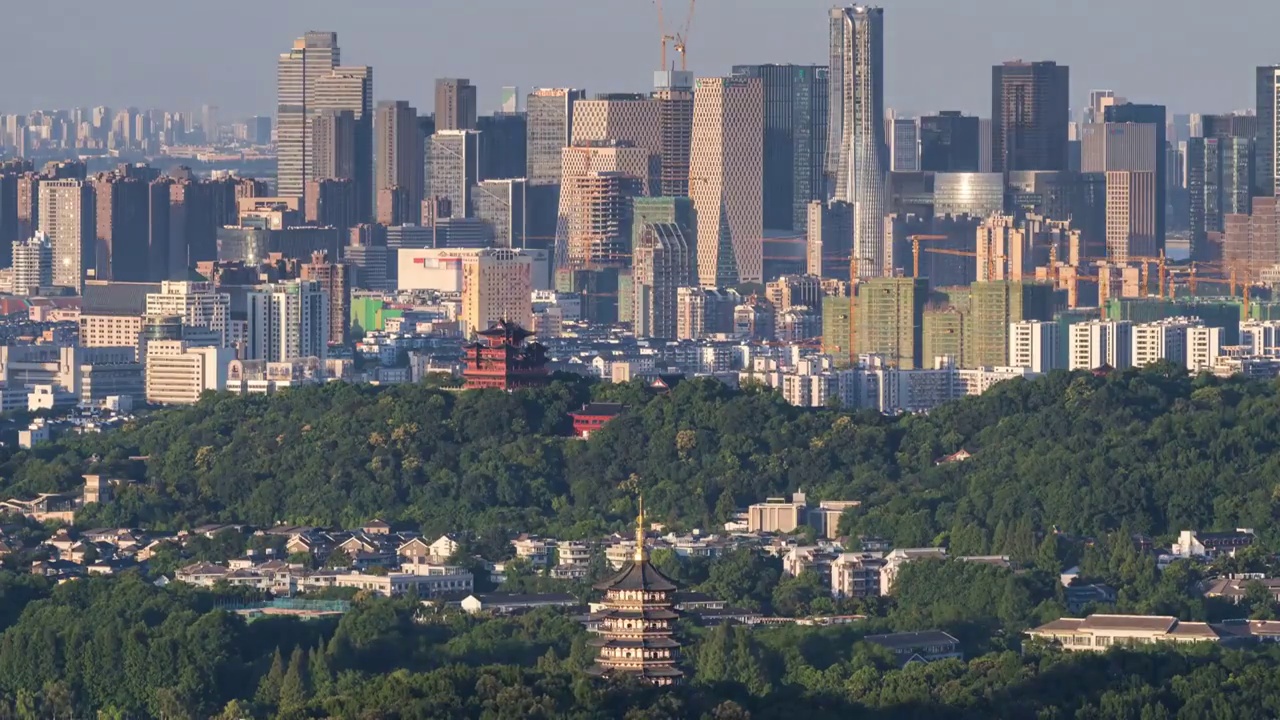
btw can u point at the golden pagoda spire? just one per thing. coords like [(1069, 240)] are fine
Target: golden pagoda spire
[(640, 556)]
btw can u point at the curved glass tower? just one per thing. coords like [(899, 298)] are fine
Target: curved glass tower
[(857, 154)]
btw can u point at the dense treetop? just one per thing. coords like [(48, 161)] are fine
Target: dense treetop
[(1155, 451)]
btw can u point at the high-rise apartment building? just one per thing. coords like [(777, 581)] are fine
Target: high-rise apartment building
[(702, 312), (287, 321), (313, 55), (198, 304), (67, 217), (1131, 214), (132, 218), (888, 315), (455, 168), (795, 140), (726, 180), (496, 285), (857, 152), (1035, 344), (334, 279), (993, 307), (32, 264), (1100, 343), (663, 263), (829, 238), (399, 166), (949, 142), (1030, 111), (347, 89), (455, 104), (1267, 171)]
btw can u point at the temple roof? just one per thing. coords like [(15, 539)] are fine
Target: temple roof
[(663, 643), (638, 576), (506, 328), (663, 614)]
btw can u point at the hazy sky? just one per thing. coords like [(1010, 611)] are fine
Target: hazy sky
[(1191, 56)]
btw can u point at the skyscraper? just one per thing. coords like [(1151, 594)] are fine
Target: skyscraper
[(1268, 158), (549, 114), (663, 263), (1132, 214), (501, 205), (622, 117), (313, 55), (1030, 111), (857, 154), (726, 180), (132, 220), (1155, 117), (349, 89), (455, 168), (673, 89), (288, 321), (399, 154), (455, 104), (503, 145), (619, 158), (333, 146), (795, 140), (949, 142), (904, 145)]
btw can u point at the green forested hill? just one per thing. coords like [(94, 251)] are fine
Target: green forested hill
[(1155, 451)]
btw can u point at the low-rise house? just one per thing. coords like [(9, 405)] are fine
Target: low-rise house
[(444, 548), (61, 541), (533, 550), (896, 558), (46, 507), (1099, 632), (924, 646), (201, 573), (722, 615), (415, 550), (1234, 588), (688, 600), (1208, 546), (572, 560), (1079, 597), (505, 604)]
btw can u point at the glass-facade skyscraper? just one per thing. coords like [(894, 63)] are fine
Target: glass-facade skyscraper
[(857, 154), (795, 140), (314, 55)]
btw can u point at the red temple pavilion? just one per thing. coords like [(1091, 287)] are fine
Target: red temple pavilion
[(500, 359), (637, 623)]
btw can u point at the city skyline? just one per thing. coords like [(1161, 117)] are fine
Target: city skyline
[(411, 47)]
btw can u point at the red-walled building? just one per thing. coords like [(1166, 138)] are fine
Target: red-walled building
[(501, 360), (593, 416)]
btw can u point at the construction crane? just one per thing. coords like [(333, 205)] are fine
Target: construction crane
[(1146, 271), (991, 259), (679, 38), (915, 250)]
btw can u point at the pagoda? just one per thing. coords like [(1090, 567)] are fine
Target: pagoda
[(637, 622), (500, 359)]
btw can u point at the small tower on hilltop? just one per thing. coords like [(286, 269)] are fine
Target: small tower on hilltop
[(638, 621)]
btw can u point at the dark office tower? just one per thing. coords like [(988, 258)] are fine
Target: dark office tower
[(949, 142), (1219, 180), (1245, 126), (550, 128), (503, 145), (8, 216), (455, 104), (28, 207), (1030, 112), (1267, 168), (857, 152), (399, 160), (132, 239), (350, 89), (795, 140), (333, 145), (904, 145), (331, 202), (1141, 114), (313, 55), (455, 168)]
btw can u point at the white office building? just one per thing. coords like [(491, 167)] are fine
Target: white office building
[(197, 303), (32, 264)]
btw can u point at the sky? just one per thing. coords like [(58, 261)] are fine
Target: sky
[(1190, 56)]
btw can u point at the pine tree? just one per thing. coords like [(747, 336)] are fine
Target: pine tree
[(268, 694), (293, 688), (321, 674)]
